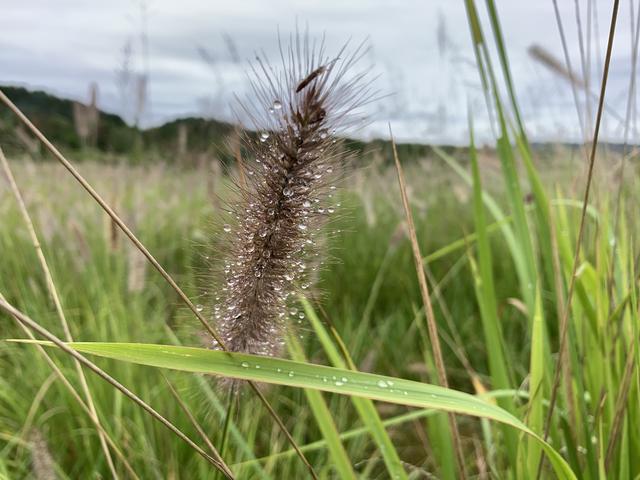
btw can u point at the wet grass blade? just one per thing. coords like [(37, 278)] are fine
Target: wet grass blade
[(319, 377)]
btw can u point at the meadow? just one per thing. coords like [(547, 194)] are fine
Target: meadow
[(521, 263)]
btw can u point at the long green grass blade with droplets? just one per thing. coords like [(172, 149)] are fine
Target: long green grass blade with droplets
[(319, 377)]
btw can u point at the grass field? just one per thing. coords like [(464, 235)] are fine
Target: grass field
[(530, 285), (368, 291)]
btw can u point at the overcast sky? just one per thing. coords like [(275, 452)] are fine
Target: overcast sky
[(198, 53)]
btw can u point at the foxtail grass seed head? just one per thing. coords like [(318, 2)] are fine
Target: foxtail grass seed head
[(292, 163)]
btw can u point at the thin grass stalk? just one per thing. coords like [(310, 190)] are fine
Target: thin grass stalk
[(23, 319), (92, 192), (576, 258), (426, 299), (53, 291), (583, 63), (199, 429), (81, 402), (567, 59)]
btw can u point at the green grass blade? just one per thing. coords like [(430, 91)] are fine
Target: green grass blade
[(536, 387), (319, 377), (324, 419), (486, 294), (496, 212), (365, 407)]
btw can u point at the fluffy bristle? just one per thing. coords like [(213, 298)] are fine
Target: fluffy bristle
[(294, 162)]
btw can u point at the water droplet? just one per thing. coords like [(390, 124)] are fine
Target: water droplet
[(330, 210), (306, 204), (339, 384), (277, 105), (302, 227), (287, 192), (382, 384), (227, 227), (289, 276), (291, 374), (264, 136), (257, 366), (245, 364), (305, 286), (344, 379), (301, 315), (199, 308)]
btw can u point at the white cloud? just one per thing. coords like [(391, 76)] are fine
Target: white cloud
[(62, 46)]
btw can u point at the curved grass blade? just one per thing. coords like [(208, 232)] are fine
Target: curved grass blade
[(319, 377), (364, 406), (325, 422)]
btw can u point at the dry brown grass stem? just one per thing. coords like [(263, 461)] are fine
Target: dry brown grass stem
[(72, 170), (53, 291), (426, 299)]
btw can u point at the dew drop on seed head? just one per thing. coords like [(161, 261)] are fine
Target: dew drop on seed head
[(287, 192), (199, 308), (305, 286), (302, 227), (277, 105), (264, 136), (306, 204), (227, 228)]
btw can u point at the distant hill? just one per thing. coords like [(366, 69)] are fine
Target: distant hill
[(61, 121)]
